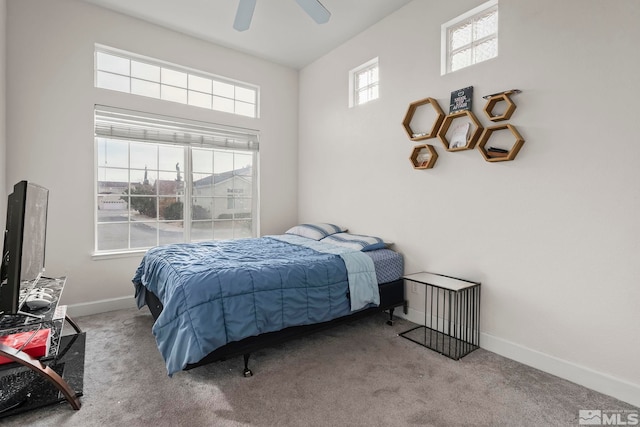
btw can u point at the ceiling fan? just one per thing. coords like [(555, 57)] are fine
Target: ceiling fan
[(314, 9)]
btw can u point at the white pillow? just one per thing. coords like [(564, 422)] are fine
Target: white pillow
[(356, 241), (315, 231)]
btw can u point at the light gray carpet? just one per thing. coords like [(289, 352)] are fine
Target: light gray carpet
[(358, 374)]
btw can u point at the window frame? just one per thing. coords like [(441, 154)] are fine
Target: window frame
[(354, 91), (468, 17), (165, 69), (189, 174)]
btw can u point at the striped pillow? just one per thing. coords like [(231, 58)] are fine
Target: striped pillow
[(356, 241), (315, 231)]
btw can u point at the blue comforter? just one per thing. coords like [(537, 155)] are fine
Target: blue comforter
[(217, 292)]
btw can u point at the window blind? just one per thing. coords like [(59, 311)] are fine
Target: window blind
[(111, 122)]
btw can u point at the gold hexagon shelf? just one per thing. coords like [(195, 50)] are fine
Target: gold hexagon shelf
[(423, 156), (471, 140), (406, 123), (489, 154), (493, 100)]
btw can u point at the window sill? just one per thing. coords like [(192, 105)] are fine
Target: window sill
[(99, 256)]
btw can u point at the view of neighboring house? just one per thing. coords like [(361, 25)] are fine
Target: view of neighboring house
[(221, 195)]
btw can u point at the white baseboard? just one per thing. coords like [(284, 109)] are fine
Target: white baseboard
[(598, 381), (587, 377), (101, 306)]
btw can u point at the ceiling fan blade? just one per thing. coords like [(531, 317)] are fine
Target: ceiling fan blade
[(315, 10), (244, 14)]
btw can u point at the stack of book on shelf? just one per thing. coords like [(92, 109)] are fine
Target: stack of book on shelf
[(497, 152), (35, 343)]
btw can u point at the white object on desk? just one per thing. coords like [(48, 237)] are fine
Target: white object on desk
[(35, 302)]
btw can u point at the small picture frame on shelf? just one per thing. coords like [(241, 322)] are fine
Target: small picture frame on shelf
[(461, 100)]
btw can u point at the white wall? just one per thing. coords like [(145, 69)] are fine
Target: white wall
[(552, 235), (50, 99)]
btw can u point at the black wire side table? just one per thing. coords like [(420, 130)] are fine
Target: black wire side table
[(451, 315)]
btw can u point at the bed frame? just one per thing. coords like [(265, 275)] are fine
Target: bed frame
[(391, 296)]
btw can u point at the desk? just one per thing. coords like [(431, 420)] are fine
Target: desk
[(451, 315), (28, 383)]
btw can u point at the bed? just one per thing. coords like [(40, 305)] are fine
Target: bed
[(220, 299)]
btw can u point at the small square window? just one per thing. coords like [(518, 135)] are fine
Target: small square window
[(113, 81), (173, 78), (145, 88), (144, 71), (175, 94), (199, 84), (112, 63), (470, 38), (199, 99), (364, 83)]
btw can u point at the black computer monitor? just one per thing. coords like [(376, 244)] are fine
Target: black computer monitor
[(24, 244)]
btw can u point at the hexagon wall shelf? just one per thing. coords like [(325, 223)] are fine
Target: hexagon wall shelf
[(497, 156), (494, 100), (406, 123), (475, 134), (423, 156)]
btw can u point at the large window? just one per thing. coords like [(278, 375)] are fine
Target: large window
[(470, 38), (364, 83), (161, 180), (127, 72)]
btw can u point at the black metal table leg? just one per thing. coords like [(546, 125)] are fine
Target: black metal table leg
[(247, 372), (390, 321)]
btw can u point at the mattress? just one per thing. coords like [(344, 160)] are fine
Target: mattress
[(389, 265)]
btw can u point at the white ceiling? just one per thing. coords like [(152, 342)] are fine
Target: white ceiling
[(280, 30)]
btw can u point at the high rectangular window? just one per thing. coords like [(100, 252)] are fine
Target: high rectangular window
[(364, 83), (162, 180), (470, 38), (127, 72)]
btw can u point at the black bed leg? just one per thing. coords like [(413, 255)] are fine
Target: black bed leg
[(247, 372), (390, 321)]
